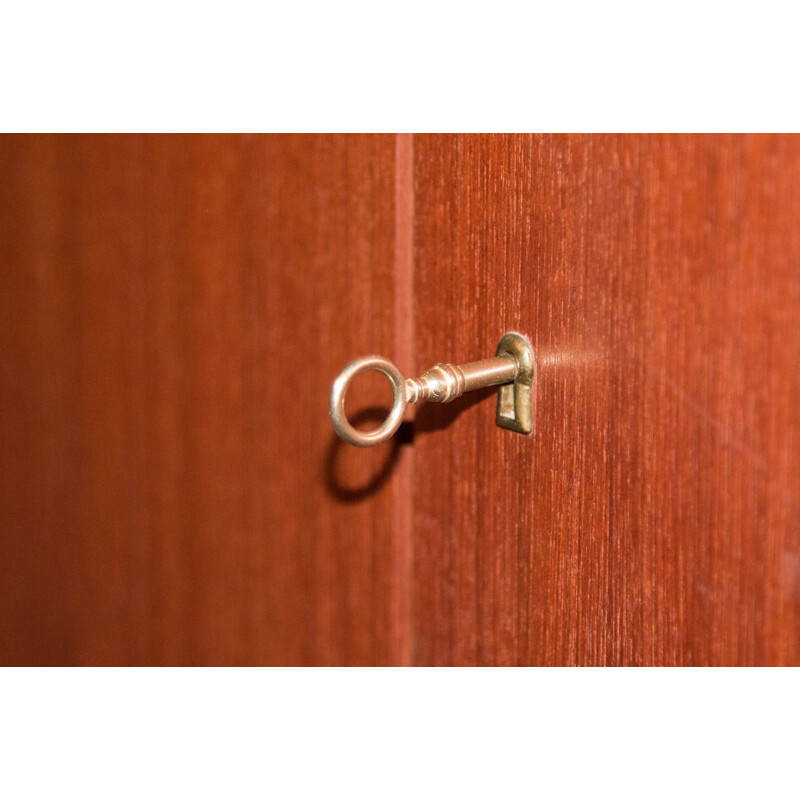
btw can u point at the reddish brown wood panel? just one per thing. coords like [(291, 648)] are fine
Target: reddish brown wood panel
[(175, 309), (654, 515)]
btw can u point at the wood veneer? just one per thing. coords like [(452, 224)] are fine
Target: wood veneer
[(176, 308), (652, 518)]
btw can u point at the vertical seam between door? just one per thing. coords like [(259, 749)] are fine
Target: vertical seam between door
[(404, 351)]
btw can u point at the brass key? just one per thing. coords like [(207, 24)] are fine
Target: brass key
[(512, 369)]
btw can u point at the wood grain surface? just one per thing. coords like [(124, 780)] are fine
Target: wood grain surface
[(654, 515), (176, 307)]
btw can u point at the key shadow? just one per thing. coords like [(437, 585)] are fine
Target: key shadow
[(344, 460)]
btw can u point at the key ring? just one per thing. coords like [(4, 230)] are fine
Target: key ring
[(339, 390)]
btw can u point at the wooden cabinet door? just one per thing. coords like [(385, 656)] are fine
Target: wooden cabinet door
[(653, 516), (176, 308)]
